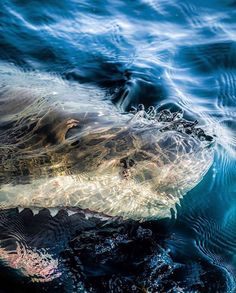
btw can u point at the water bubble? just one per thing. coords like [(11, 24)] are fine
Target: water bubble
[(165, 116), (178, 115), (151, 112), (141, 107)]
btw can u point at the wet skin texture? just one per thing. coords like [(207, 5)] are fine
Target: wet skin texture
[(136, 165)]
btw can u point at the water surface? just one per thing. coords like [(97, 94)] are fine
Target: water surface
[(170, 54)]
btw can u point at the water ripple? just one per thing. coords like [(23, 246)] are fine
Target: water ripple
[(169, 54)]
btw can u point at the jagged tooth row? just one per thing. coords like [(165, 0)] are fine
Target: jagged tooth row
[(53, 211), (174, 120)]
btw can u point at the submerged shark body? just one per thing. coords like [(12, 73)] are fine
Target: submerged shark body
[(71, 164)]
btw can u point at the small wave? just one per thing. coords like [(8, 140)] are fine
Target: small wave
[(70, 56)]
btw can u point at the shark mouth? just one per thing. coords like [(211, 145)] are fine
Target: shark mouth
[(73, 250)]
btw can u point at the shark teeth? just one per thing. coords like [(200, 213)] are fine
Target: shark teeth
[(70, 211)]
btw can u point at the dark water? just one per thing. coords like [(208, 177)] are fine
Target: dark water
[(173, 54)]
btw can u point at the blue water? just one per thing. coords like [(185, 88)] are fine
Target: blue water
[(173, 54)]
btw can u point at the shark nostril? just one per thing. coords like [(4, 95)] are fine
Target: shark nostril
[(123, 163), (127, 163), (131, 163)]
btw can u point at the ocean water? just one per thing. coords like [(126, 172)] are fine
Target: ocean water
[(90, 55)]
